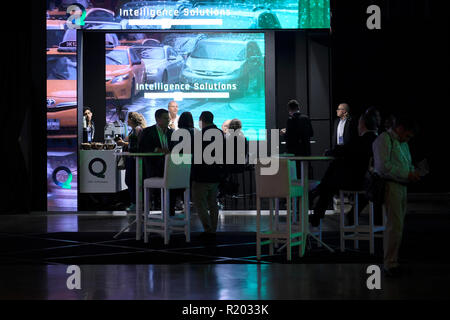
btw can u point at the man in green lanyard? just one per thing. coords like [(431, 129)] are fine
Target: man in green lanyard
[(157, 138)]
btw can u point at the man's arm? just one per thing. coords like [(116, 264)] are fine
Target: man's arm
[(292, 134)]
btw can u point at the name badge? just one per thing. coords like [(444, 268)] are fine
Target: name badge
[(341, 140)]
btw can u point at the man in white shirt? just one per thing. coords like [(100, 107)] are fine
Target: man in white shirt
[(345, 130), (392, 161), (173, 115)]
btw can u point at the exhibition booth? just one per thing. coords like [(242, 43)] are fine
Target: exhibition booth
[(242, 60)]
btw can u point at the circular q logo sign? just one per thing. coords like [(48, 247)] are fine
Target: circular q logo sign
[(101, 173), (65, 184), (77, 14)]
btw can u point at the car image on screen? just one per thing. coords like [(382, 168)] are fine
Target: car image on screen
[(124, 70), (236, 62), (61, 94), (162, 63)]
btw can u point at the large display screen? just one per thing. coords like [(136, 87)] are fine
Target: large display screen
[(197, 75), (199, 14), (218, 72)]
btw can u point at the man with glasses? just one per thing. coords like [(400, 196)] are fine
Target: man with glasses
[(345, 130)]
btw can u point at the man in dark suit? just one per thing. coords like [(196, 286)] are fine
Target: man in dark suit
[(298, 131), (349, 168), (157, 138), (206, 175), (345, 128)]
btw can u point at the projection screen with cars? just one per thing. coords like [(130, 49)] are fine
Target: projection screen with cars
[(189, 67), (218, 72)]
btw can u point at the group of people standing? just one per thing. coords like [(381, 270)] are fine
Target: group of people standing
[(205, 177), (357, 147)]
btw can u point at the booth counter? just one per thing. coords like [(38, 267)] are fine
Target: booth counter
[(99, 172)]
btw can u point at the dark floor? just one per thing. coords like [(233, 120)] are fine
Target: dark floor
[(36, 249)]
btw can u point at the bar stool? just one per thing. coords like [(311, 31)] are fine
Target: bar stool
[(317, 231), (176, 176), (356, 231), (278, 185)]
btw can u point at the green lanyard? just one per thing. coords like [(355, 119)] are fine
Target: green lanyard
[(162, 138)]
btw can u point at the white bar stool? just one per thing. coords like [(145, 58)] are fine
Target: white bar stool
[(275, 186), (357, 231), (176, 176)]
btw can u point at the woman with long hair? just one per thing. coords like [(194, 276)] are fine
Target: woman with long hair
[(137, 124)]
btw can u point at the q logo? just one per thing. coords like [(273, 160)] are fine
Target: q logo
[(77, 14), (66, 184), (100, 174)]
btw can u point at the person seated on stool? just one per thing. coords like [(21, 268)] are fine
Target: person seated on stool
[(348, 170), (157, 138)]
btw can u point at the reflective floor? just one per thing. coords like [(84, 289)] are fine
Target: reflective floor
[(220, 282), (39, 275)]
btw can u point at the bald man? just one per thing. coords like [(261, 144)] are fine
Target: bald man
[(345, 130), (173, 115), (226, 126)]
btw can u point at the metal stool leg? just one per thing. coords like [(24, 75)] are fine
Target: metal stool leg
[(342, 222), (166, 216), (356, 215), (271, 225), (371, 226), (146, 212), (258, 228), (289, 230)]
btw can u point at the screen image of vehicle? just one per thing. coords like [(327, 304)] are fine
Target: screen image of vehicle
[(218, 72), (62, 172), (61, 129), (171, 61), (200, 14)]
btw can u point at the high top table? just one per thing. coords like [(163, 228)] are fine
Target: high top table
[(139, 180), (304, 161)]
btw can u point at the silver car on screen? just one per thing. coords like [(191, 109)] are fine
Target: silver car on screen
[(162, 63)]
